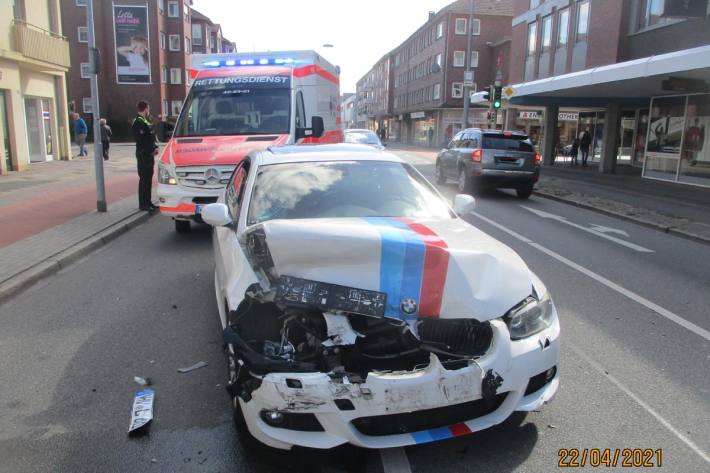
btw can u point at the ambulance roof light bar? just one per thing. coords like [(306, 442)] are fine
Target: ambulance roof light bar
[(286, 58)]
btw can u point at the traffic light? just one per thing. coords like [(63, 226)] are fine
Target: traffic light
[(487, 94), (497, 102)]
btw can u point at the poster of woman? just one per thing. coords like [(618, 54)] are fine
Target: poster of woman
[(130, 25)]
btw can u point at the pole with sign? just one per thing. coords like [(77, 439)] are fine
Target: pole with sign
[(469, 46), (94, 79)]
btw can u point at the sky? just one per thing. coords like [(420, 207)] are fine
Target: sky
[(361, 31)]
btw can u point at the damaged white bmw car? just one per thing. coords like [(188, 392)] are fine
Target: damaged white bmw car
[(358, 307)]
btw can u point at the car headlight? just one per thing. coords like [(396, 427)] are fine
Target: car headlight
[(530, 317), (164, 176)]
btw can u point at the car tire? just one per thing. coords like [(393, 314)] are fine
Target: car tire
[(182, 226), (465, 185), (439, 173), (524, 191)]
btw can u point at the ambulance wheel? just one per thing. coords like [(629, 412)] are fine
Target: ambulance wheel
[(182, 226)]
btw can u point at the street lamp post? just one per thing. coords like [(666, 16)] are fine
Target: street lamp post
[(468, 71), (98, 151)]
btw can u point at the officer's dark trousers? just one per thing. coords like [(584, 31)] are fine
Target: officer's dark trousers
[(145, 180)]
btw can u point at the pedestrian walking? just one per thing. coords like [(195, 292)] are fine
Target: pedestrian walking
[(585, 139), (105, 137), (146, 149), (575, 150), (430, 135), (80, 131)]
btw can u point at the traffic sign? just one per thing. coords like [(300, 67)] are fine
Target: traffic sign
[(467, 78)]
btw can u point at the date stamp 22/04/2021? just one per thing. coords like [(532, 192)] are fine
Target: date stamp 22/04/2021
[(610, 457)]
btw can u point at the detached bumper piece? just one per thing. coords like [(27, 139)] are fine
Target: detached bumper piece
[(447, 417)]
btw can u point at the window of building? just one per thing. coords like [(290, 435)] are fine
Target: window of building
[(162, 40), (456, 90), (175, 75), (174, 42), (188, 45), (197, 34), (161, 7), (437, 59), (460, 27), (188, 79), (80, 3), (164, 74), (474, 58), (459, 58), (476, 27), (582, 20), (437, 92), (165, 109), (186, 12), (534, 3), (650, 14), (440, 30), (86, 105), (562, 27), (546, 39), (532, 38), (173, 9), (85, 70), (175, 106), (83, 34)]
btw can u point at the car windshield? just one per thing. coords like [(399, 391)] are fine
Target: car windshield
[(513, 143), (364, 137), (343, 189), (233, 110)]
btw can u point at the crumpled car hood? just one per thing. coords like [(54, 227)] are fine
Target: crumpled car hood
[(428, 268)]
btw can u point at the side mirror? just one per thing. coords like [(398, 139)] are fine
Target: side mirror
[(216, 215), (463, 204), (317, 126)]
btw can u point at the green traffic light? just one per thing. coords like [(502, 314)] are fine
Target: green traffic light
[(496, 104)]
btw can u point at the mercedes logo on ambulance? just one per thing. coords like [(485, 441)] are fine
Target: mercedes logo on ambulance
[(212, 175)]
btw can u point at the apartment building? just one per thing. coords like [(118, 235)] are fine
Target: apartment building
[(34, 59), (207, 36)]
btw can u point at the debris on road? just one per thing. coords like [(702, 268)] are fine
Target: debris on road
[(552, 426), (142, 412), (196, 366), (142, 381)]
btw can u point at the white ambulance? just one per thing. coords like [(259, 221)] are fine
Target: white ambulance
[(239, 102)]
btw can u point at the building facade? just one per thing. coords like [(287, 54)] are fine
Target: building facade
[(348, 110), (34, 59), (374, 98), (634, 74)]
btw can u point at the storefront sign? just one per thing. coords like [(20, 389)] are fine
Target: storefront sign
[(529, 115), (130, 31), (568, 116), (415, 115)]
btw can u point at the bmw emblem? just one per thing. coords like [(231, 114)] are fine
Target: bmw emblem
[(212, 175), (408, 306)]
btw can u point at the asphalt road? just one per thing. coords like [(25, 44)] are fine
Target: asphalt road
[(144, 306)]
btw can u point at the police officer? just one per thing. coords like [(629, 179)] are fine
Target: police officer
[(146, 149)]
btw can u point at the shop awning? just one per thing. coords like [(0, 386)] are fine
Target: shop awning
[(626, 82)]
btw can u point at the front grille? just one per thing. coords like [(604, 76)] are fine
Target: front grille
[(463, 337), (407, 422), (204, 177)]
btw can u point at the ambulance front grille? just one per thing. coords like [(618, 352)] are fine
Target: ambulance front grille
[(204, 177)]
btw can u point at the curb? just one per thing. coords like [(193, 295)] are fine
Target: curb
[(672, 230), (64, 258)]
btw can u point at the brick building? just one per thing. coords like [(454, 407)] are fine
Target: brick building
[(207, 36), (634, 74), (425, 80), (167, 27)]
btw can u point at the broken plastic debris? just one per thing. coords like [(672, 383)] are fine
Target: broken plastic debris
[(196, 366), (142, 381), (142, 412), (552, 426)]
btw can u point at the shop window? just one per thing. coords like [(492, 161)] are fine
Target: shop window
[(582, 21), (695, 158), (456, 90), (665, 135), (459, 58), (82, 34)]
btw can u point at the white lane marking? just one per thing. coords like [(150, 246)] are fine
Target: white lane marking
[(610, 284), (394, 460), (641, 403), (593, 231), (604, 229)]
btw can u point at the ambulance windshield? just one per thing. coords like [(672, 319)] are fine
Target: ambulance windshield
[(243, 105)]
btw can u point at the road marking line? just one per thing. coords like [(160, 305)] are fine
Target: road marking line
[(394, 460), (641, 403), (594, 231), (601, 279)]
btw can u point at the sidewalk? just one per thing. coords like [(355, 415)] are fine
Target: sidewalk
[(674, 208), (48, 214)]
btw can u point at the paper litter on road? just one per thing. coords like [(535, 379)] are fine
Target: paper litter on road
[(142, 381), (142, 412), (198, 365)]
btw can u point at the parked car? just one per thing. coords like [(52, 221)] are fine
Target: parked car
[(362, 136), (478, 159), (358, 307)]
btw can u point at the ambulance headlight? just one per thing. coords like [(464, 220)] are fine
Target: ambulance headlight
[(164, 176)]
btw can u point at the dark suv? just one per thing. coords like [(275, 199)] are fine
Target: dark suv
[(489, 158)]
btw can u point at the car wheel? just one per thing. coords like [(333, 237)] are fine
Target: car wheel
[(182, 226), (439, 173), (464, 183), (524, 191)]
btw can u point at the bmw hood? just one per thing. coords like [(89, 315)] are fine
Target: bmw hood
[(426, 268)]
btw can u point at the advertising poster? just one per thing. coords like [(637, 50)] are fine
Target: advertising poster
[(130, 27)]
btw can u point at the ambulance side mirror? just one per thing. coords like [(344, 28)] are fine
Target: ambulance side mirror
[(317, 126)]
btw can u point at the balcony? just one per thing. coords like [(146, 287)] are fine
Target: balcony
[(41, 45)]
